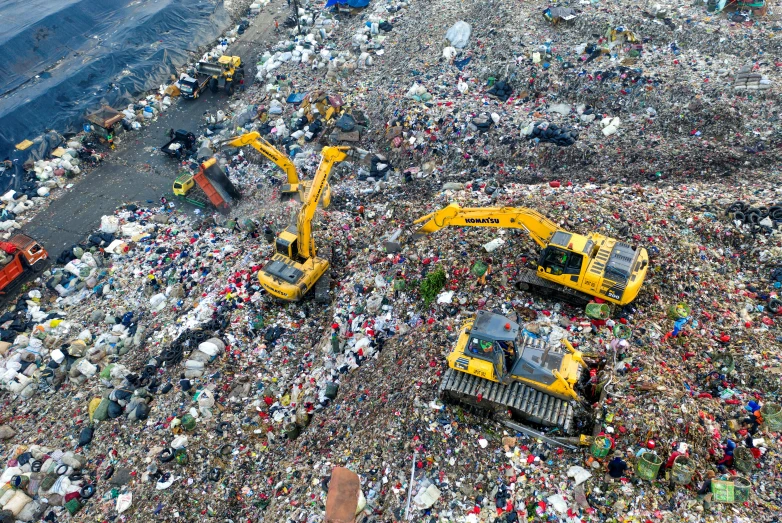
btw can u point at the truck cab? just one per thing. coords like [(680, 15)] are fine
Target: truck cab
[(29, 249), (22, 254), (183, 183)]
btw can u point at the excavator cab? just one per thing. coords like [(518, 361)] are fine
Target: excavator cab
[(287, 243), (558, 261)]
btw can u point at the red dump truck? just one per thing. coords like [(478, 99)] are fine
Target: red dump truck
[(213, 186), (22, 255)]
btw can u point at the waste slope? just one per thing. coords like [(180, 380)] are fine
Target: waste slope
[(65, 57)]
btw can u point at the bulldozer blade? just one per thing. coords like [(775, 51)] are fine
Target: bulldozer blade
[(559, 442), (290, 195)]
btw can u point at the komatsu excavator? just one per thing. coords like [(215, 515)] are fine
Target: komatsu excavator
[(294, 188), (497, 369), (296, 266), (572, 267)]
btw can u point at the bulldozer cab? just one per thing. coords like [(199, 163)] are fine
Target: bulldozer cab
[(492, 338), (496, 339), (489, 351), (494, 348)]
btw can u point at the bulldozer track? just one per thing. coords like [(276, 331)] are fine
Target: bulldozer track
[(523, 401)]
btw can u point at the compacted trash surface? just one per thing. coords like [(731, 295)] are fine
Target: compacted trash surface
[(147, 376)]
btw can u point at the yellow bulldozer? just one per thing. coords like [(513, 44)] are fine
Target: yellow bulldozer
[(571, 266), (294, 188), (226, 73), (497, 369), (297, 266)]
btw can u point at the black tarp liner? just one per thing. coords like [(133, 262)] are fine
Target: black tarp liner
[(15, 177), (64, 58)]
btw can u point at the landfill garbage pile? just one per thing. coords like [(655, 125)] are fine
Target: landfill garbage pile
[(174, 368), (148, 373), (659, 88)]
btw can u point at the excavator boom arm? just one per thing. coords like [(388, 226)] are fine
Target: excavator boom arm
[(329, 156), (540, 228), (269, 151)]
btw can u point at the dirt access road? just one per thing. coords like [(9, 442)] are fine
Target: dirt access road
[(133, 172)]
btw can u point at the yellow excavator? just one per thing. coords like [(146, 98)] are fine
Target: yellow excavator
[(497, 369), (294, 188), (572, 267), (296, 266)]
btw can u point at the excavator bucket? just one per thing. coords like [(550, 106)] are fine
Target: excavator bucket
[(289, 195)]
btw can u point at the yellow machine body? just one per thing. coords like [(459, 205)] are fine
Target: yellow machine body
[(295, 267), (590, 266), (482, 350)]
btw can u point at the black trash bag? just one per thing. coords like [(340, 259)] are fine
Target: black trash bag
[(121, 396), (66, 256), (24, 458), (85, 438), (551, 133), (483, 122), (273, 333), (501, 90), (379, 166), (115, 410), (300, 124), (346, 123), (313, 131), (142, 411), (385, 26)]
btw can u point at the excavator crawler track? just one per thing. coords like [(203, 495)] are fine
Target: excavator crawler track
[(524, 402), (530, 281)]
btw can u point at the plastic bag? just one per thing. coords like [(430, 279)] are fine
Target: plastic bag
[(459, 34), (479, 269)]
